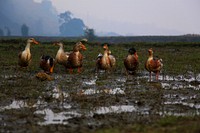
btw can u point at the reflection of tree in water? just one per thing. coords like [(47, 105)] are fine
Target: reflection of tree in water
[(71, 26)]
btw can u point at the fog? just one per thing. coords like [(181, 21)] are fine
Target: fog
[(41, 18)]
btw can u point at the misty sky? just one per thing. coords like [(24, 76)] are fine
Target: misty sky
[(136, 17)]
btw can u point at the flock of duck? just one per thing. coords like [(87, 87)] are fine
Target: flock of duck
[(73, 60)]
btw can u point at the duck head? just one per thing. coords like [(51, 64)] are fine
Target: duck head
[(60, 44), (84, 41), (32, 40), (105, 46), (132, 51), (79, 46), (150, 52)]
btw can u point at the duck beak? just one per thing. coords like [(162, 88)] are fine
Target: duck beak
[(136, 55), (105, 47), (34, 41), (83, 47), (51, 69)]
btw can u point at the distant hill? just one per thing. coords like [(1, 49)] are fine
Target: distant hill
[(116, 39), (128, 39), (103, 34)]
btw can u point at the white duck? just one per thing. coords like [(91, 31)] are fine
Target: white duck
[(105, 61), (61, 56), (25, 56)]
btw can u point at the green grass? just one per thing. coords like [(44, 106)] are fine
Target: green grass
[(178, 59), (167, 124)]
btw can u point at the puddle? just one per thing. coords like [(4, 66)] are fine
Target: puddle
[(106, 90), (18, 104), (115, 109), (191, 105), (90, 82), (178, 114), (57, 93), (15, 105), (178, 93), (51, 117), (188, 78)]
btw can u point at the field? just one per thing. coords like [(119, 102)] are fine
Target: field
[(104, 102)]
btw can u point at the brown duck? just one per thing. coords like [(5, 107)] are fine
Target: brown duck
[(47, 64), (105, 61), (75, 58), (61, 56), (24, 57), (153, 64), (131, 61)]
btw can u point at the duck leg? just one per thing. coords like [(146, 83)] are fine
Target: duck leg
[(150, 76), (51, 69), (157, 74), (79, 69), (127, 72), (70, 70)]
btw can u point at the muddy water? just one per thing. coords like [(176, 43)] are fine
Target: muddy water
[(91, 101)]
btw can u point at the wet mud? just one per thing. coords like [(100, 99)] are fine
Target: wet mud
[(89, 101)]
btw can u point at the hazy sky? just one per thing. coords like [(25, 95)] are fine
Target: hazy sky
[(136, 17)]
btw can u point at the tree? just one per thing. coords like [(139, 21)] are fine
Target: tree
[(1, 32), (24, 30), (66, 16), (90, 34), (71, 26), (8, 31)]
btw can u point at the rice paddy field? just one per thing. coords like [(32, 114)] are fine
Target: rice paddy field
[(101, 102)]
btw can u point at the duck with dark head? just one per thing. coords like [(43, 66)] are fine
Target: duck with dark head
[(131, 62), (47, 63)]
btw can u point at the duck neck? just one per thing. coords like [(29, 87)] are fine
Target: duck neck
[(150, 55), (61, 48), (136, 56), (28, 45), (106, 53), (105, 58), (75, 49)]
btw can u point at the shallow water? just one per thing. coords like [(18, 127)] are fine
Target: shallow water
[(74, 97)]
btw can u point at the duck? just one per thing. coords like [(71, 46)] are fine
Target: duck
[(153, 64), (105, 61), (112, 59), (47, 63), (75, 57), (24, 57), (131, 62), (61, 56)]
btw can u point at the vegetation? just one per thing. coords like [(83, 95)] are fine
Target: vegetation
[(168, 124), (179, 58)]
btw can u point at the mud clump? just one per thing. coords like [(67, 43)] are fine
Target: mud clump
[(43, 76)]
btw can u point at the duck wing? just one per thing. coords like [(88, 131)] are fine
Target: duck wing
[(112, 60), (155, 64)]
